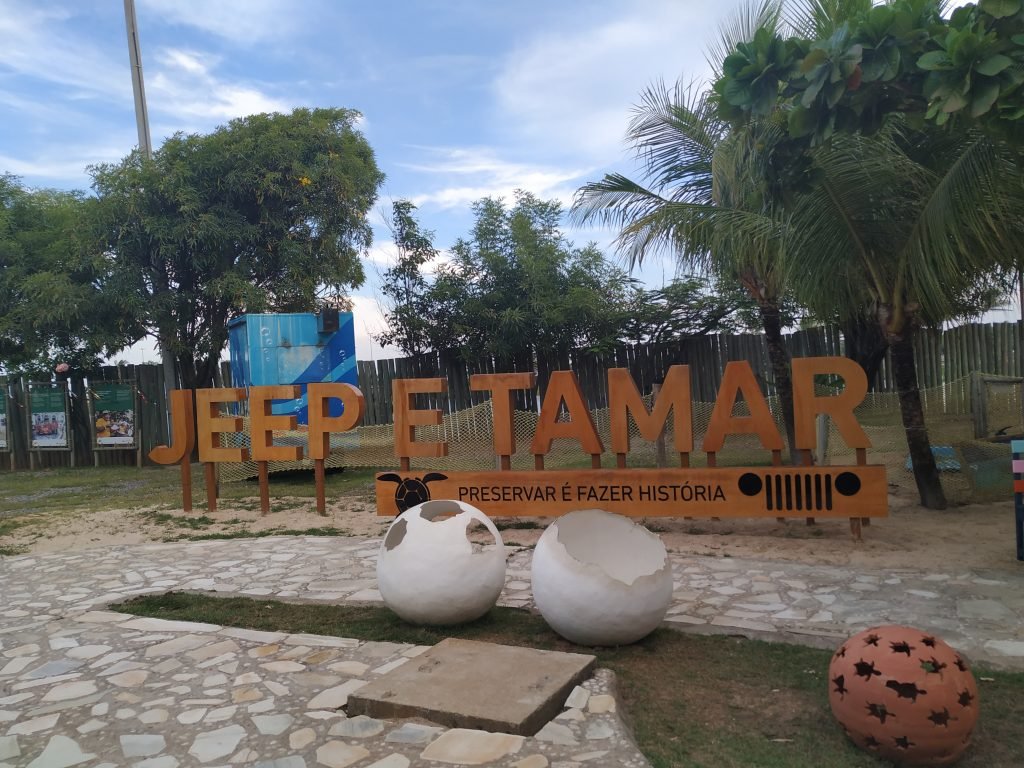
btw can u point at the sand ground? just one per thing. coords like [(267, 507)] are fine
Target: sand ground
[(976, 537)]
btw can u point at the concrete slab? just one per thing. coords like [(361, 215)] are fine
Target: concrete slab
[(468, 684)]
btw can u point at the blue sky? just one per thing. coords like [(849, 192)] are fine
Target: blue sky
[(461, 98)]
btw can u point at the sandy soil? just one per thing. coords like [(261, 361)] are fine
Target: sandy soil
[(967, 537)]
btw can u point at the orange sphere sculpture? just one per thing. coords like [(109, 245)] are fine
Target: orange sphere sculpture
[(904, 695)]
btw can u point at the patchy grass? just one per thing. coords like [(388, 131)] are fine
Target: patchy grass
[(44, 499), (181, 521), (90, 488), (299, 483), (692, 700), (96, 488), (246, 534), (10, 525), (511, 524)]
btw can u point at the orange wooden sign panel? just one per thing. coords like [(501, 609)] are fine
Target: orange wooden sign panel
[(855, 492), (830, 491)]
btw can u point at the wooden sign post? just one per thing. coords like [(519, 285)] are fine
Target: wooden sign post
[(262, 423), (179, 451), (210, 424), (322, 424)]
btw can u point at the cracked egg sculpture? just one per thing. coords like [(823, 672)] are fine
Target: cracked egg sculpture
[(904, 695), (430, 572), (601, 579)]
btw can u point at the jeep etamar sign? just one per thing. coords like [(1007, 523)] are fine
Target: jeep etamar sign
[(857, 491)]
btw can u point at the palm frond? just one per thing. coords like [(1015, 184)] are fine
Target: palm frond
[(965, 225), (740, 27), (675, 132)]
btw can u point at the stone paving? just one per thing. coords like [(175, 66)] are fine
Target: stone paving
[(80, 685)]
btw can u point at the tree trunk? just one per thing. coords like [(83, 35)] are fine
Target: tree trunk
[(926, 473), (781, 373), (866, 345), (187, 367)]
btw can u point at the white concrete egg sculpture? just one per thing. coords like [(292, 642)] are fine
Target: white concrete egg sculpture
[(429, 572), (601, 579)]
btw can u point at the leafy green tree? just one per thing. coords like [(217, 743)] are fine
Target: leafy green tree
[(516, 284), (902, 56), (52, 309), (693, 306), (917, 227), (405, 286), (914, 224), (265, 214)]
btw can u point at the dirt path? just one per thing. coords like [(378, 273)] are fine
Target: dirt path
[(970, 537)]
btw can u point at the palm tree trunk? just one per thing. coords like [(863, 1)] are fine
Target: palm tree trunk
[(772, 321), (866, 345), (926, 473)]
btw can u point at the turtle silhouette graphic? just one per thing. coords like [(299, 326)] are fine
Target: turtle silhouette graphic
[(411, 490)]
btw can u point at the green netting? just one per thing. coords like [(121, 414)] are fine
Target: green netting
[(971, 469)]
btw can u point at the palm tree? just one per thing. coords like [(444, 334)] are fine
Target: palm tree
[(706, 197), (906, 224), (714, 196)]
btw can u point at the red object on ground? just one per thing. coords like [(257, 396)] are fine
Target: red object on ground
[(905, 695)]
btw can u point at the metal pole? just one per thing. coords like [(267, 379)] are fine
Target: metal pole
[(146, 148), (138, 87), (1020, 338)]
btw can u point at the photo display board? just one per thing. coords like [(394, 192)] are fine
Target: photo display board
[(113, 415), (5, 444), (48, 417)]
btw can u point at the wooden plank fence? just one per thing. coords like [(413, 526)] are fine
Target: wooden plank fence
[(943, 356), (149, 419)]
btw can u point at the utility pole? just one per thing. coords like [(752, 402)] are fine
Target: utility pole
[(146, 148), (138, 87)]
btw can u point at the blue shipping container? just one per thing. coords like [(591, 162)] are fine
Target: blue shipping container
[(291, 349)]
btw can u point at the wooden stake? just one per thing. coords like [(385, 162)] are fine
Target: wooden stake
[(595, 460), (321, 493), (403, 463), (506, 462), (186, 483), (210, 470), (538, 461), (620, 460), (264, 487)]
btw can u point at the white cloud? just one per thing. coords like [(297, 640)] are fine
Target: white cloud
[(67, 163), (470, 173), (574, 86), (37, 44), (183, 89), (368, 317), (382, 254), (183, 84), (238, 21)]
